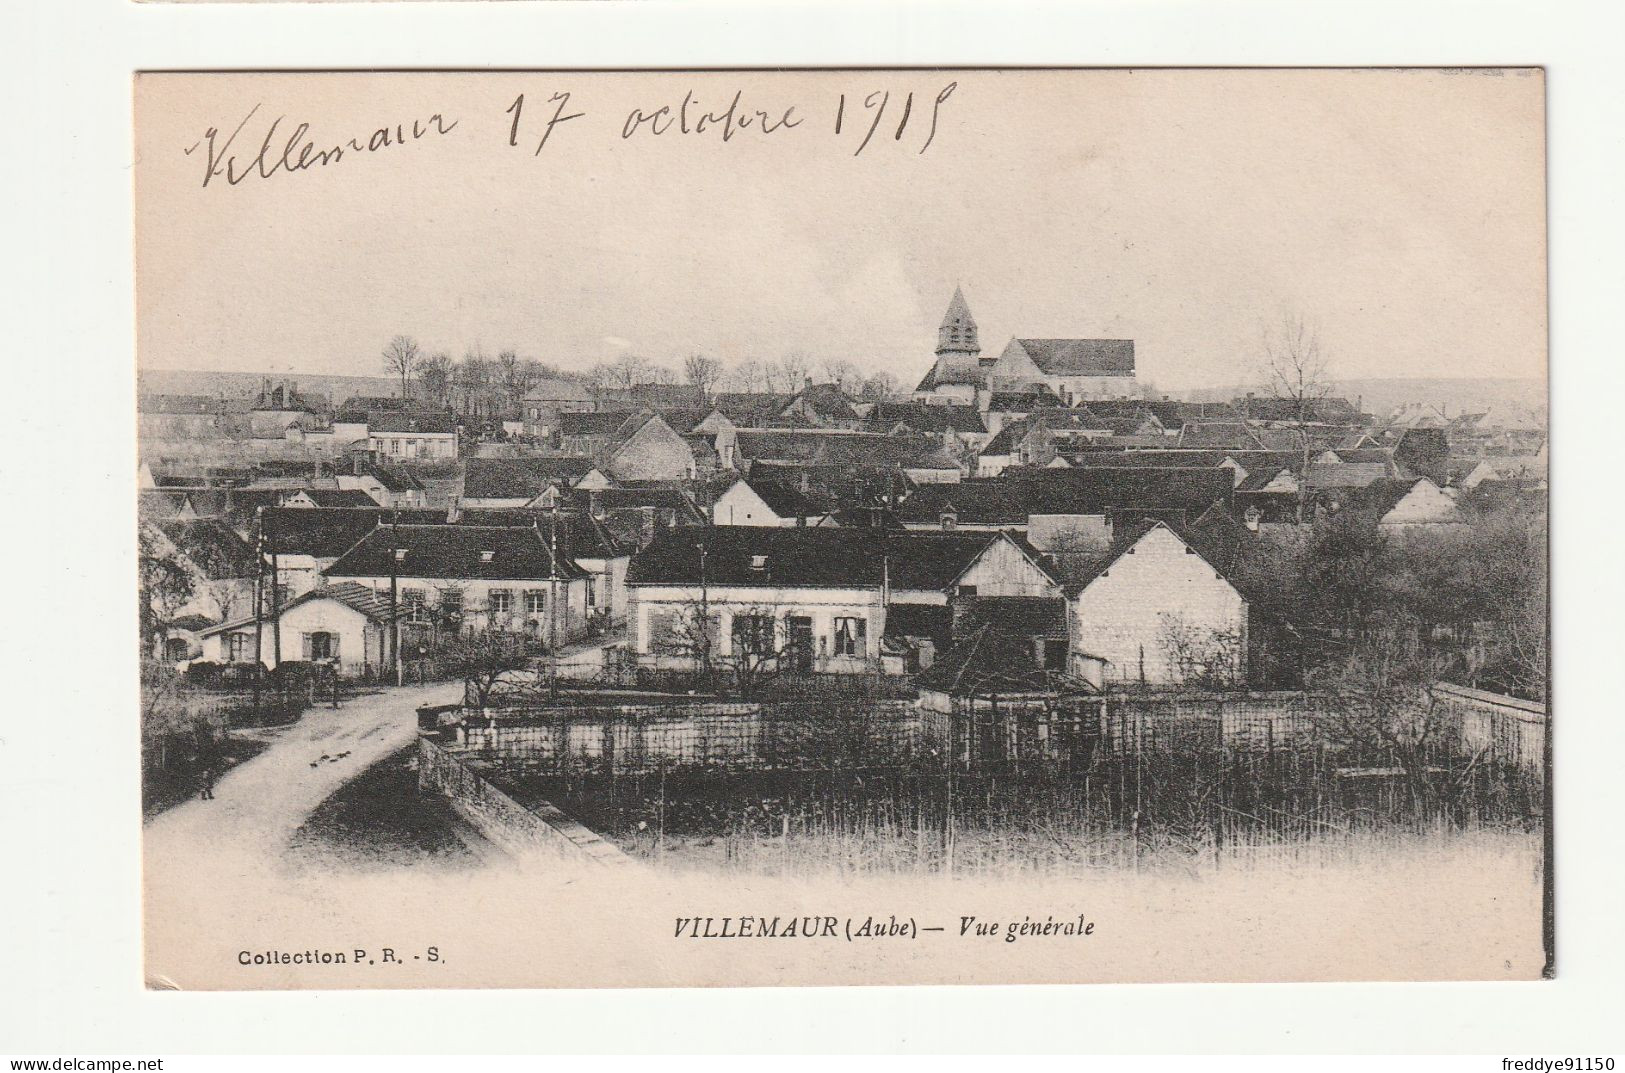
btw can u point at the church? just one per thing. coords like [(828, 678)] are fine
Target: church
[(1076, 370)]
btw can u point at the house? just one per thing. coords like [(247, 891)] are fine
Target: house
[(1056, 507), (218, 563), (1223, 435), (1009, 699), (586, 540), (760, 501), (388, 486), (1397, 505), (497, 483), (647, 448), (347, 625), (922, 459), (1155, 612), (985, 504), (300, 543), (180, 417), (542, 404), (823, 406), (819, 596), (412, 435), (457, 577)]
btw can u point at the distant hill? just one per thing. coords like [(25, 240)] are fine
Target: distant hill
[(243, 385), (1454, 396)]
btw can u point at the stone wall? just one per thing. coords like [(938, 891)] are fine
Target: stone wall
[(505, 823)]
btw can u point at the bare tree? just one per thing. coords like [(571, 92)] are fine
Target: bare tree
[(485, 660), (435, 377), (792, 372), (628, 371), (840, 371), (1294, 368), (401, 357), (878, 387), (1385, 706), (702, 372)]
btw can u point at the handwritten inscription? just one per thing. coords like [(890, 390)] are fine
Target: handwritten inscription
[(298, 151), (257, 149)]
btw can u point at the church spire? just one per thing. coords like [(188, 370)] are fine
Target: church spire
[(957, 333)]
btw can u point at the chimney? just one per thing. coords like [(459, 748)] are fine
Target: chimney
[(595, 503), (646, 526), (808, 382)]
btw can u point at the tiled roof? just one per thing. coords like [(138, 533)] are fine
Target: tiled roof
[(983, 501), (592, 422), (410, 423), (374, 605), (787, 500), (923, 417), (1081, 357), (1023, 616), (855, 448), (321, 533), (211, 546), (454, 552), (813, 557), (521, 478), (1223, 434), (990, 662)]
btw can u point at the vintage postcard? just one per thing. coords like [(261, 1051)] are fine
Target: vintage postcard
[(737, 528)]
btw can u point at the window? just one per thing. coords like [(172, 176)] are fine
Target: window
[(451, 601), (412, 600), (850, 637), (321, 645), (592, 591), (535, 601), (241, 647), (501, 601), (175, 648), (753, 634)]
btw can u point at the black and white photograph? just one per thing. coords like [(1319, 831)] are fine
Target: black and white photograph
[(852, 526)]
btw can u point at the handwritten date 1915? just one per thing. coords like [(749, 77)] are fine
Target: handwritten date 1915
[(855, 119)]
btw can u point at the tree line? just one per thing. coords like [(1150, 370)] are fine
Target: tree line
[(479, 384)]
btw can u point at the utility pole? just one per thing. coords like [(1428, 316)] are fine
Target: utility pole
[(553, 597), (276, 601), (259, 587), (394, 597)]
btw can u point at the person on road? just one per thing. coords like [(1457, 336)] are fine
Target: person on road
[(206, 780)]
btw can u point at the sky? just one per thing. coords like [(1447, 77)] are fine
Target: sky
[(1402, 212)]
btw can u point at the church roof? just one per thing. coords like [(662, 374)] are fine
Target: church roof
[(1081, 357), (958, 313)]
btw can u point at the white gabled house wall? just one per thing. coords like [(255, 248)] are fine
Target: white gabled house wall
[(355, 641), (653, 606), (1424, 504), (1123, 616), (740, 505)]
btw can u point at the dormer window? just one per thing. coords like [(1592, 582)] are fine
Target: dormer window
[(487, 556), (758, 562), (400, 555), (950, 521)]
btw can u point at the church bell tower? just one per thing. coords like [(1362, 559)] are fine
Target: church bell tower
[(956, 336)]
